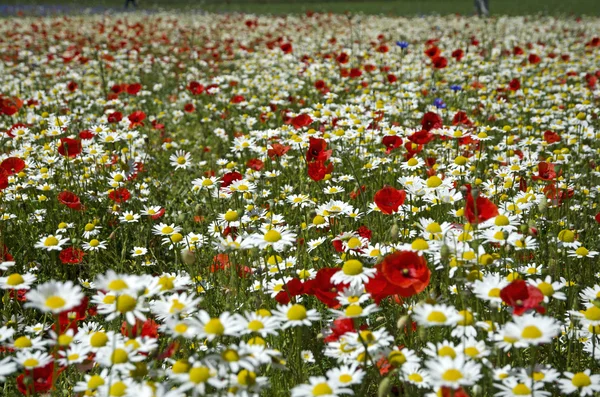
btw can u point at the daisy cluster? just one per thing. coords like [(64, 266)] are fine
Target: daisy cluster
[(305, 205)]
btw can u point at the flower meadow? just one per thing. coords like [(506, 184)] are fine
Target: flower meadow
[(304, 205)]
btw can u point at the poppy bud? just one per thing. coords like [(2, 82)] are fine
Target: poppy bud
[(402, 322), (384, 387), (188, 257), (394, 232)]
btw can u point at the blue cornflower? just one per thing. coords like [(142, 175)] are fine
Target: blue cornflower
[(439, 103), (402, 44)]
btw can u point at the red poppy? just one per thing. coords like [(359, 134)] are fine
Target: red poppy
[(551, 137), (68, 319), (43, 378), (292, 288), (534, 59), (318, 169), (597, 217), (317, 150), (136, 118), (255, 164), (480, 209), (343, 58), (449, 392), (10, 106), (286, 48), (339, 327), (13, 165), (302, 120), (3, 179), (522, 296), (364, 232), (70, 147), (391, 78), (433, 52), (391, 142), (189, 107), (4, 254), (458, 54), (277, 150), (237, 99), (389, 199), (439, 62), (115, 117), (70, 199), (355, 72), (72, 86), (148, 328), (431, 121), (514, 84), (320, 85), (229, 178), (119, 195), (461, 118), (546, 172), (86, 135), (195, 88), (406, 270), (133, 89), (71, 255), (322, 288)]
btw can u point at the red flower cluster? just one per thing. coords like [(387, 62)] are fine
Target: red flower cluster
[(316, 157), (403, 273), (522, 296), (389, 199)]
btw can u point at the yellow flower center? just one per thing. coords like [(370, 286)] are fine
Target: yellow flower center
[(452, 375), (415, 378), (98, 339), (460, 160), (501, 220), (231, 216), (322, 389), (592, 313), (296, 313), (119, 356), (433, 227), (582, 251), (199, 375), (180, 328), (246, 378), (214, 327), (531, 332), (167, 230), (65, 340), (94, 382), (117, 285), (354, 243), (15, 279), (546, 288), (230, 355), (94, 243), (446, 351), (494, 293), (23, 342), (255, 325), (566, 236), (352, 267), (396, 358), (272, 236), (581, 380), (353, 311), (345, 378), (50, 241), (55, 302), (412, 162), (180, 160), (31, 363), (180, 367), (521, 390), (419, 245), (125, 303), (472, 351), (118, 389), (437, 317), (434, 181), (318, 220)]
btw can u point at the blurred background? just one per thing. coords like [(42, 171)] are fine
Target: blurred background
[(391, 7)]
